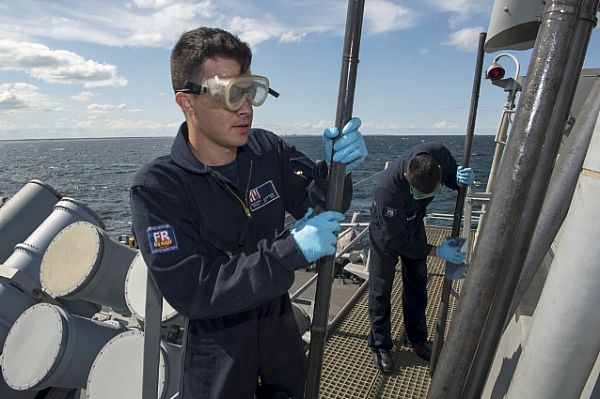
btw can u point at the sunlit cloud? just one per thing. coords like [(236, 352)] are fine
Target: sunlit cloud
[(159, 23), (465, 39), (445, 125), (16, 97), (84, 96), (461, 11), (385, 16), (56, 66), (105, 107)]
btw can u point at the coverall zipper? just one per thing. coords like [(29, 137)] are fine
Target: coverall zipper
[(233, 192)]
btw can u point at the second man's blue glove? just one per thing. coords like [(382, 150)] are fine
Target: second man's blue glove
[(350, 149), (465, 176), (450, 250), (317, 236)]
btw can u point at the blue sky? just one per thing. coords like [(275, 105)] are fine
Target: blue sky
[(98, 69)]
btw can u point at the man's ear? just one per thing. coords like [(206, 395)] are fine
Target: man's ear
[(185, 102)]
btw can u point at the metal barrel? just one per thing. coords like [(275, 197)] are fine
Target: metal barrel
[(7, 392), (48, 347), (14, 302), (23, 212), (83, 263), (117, 370), (27, 255), (135, 294)]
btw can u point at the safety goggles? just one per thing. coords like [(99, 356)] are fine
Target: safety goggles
[(232, 92), (418, 195)]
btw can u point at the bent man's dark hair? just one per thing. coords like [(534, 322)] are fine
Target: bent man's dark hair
[(195, 46), (424, 173)]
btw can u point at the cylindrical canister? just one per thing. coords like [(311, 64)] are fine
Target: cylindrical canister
[(48, 347), (118, 369), (13, 302), (83, 263), (7, 392), (23, 212), (27, 256), (135, 294)]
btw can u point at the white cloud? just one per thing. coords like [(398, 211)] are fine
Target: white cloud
[(445, 125), (56, 66), (465, 39), (251, 31), (84, 96), (158, 23), (151, 3), (462, 11), (141, 125), (289, 37), (147, 23), (157, 29), (16, 97), (385, 16), (105, 107)]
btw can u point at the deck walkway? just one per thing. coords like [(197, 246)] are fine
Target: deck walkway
[(348, 370)]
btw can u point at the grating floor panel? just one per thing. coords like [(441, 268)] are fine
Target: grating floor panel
[(348, 370)]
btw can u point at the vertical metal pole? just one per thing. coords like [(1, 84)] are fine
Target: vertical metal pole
[(440, 328), (562, 183), (521, 156), (507, 283), (337, 172), (152, 332)]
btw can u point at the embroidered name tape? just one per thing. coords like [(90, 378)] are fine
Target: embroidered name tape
[(161, 239), (262, 195)]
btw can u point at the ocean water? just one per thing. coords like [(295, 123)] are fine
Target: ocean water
[(98, 172)]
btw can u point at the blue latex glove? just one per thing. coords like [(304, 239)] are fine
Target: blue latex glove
[(298, 224), (454, 271), (350, 149), (450, 250), (465, 176), (317, 236)]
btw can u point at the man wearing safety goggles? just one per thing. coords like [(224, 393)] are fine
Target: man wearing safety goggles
[(209, 220), (397, 230)]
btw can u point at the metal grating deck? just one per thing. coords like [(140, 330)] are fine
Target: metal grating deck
[(348, 370)]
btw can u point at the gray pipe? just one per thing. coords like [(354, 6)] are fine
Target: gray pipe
[(556, 365), (23, 212), (521, 156), (560, 192), (493, 329)]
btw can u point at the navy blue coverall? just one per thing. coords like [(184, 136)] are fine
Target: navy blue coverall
[(397, 230), (221, 258)]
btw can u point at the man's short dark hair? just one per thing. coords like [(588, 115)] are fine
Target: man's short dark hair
[(424, 173), (195, 46)]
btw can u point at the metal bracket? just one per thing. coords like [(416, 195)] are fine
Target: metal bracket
[(23, 283)]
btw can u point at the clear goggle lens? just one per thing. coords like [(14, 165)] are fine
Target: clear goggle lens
[(232, 92)]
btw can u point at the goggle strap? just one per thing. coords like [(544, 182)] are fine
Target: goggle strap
[(273, 93), (191, 87)]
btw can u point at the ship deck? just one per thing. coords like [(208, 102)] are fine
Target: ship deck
[(348, 370)]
